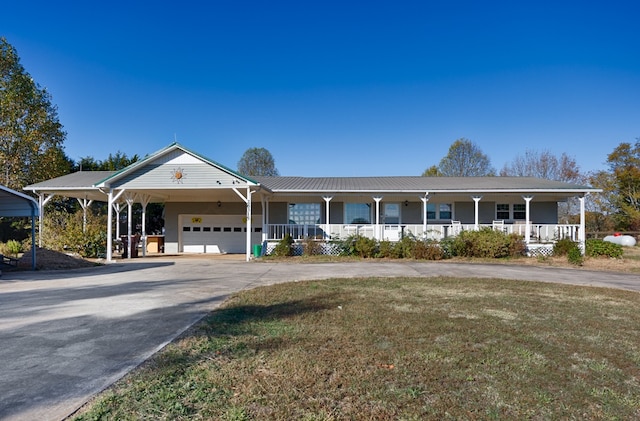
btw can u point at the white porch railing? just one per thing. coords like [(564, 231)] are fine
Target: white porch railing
[(539, 233)]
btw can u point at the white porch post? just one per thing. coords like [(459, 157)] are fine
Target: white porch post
[(109, 227), (118, 208), (130, 200), (265, 217), (249, 193), (327, 199), (111, 204), (41, 202), (247, 201), (144, 201), (425, 200), (527, 225), (476, 200), (378, 233), (582, 235)]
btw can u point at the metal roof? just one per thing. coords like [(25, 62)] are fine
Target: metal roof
[(417, 184), (13, 203), (77, 180)]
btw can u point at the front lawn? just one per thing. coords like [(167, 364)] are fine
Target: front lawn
[(408, 349)]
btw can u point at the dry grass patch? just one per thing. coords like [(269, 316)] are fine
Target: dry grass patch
[(379, 349)]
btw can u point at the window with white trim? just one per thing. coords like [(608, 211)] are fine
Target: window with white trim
[(519, 211), (516, 211), (357, 213), (439, 211), (304, 213), (503, 211)]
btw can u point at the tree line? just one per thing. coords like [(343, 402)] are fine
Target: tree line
[(32, 150)]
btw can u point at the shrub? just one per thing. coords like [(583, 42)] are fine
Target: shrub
[(385, 249), (365, 247), (448, 246), (597, 248), (13, 247), (346, 246), (311, 247), (517, 246), (563, 246), (64, 232), (428, 250), (575, 256), (486, 243), (404, 249), (284, 247)]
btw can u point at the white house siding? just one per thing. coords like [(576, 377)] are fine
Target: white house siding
[(162, 173)]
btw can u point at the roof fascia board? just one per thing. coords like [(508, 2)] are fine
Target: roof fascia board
[(447, 191)]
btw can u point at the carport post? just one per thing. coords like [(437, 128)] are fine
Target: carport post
[(111, 200), (41, 202), (33, 236)]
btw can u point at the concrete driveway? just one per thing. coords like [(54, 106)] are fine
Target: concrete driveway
[(67, 335)]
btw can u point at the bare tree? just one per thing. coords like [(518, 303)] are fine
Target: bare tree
[(544, 165)]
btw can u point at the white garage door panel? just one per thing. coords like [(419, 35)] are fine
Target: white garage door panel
[(215, 234)]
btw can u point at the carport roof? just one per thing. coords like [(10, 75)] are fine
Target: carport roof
[(81, 184)]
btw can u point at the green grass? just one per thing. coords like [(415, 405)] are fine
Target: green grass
[(406, 349)]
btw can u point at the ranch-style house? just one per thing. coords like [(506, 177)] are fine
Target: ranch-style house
[(209, 208)]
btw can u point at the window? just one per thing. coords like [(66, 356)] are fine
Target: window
[(502, 211), (391, 214), (304, 213), (431, 211), (519, 211), (445, 211), (357, 213), (439, 211)]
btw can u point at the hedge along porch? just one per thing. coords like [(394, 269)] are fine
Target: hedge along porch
[(212, 209)]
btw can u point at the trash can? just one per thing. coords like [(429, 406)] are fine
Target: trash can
[(257, 250)]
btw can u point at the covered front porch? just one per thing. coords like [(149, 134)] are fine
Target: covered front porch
[(532, 233)]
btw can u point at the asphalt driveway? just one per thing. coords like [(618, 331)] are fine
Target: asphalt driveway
[(67, 335)]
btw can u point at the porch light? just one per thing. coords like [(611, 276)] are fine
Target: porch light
[(406, 203), (219, 203)]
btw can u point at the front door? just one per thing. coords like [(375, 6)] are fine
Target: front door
[(391, 221)]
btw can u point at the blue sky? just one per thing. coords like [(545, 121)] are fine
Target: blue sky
[(337, 88)]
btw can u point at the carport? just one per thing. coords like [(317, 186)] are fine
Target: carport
[(16, 204)]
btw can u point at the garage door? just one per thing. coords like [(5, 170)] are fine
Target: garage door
[(216, 234)]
